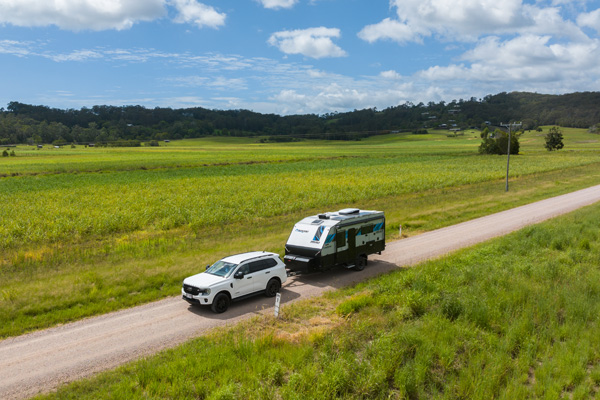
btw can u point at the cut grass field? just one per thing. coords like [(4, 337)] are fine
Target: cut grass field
[(91, 230), (513, 318)]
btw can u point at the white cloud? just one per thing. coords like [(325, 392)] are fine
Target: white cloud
[(467, 20), (15, 48), (524, 63), (590, 20), (347, 95), (78, 55), (273, 4), (80, 14), (100, 15), (213, 82), (312, 42), (393, 30), (391, 74), (191, 11)]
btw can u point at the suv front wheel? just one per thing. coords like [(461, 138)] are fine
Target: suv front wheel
[(220, 303)]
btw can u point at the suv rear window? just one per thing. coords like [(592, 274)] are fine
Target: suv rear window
[(259, 265)]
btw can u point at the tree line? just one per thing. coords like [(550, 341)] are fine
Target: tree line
[(38, 124)]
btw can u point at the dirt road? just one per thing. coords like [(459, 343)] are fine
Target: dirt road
[(41, 361)]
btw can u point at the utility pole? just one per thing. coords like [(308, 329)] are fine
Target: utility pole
[(508, 156), (508, 150)]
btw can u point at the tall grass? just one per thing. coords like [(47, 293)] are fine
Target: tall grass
[(513, 318), (80, 244), (58, 208)]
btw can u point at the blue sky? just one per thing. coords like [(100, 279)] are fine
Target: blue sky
[(292, 56)]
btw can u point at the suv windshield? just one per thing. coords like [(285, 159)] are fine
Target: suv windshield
[(221, 268)]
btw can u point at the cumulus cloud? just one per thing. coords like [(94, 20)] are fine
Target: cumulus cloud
[(100, 15), (391, 74), (527, 62), (191, 11), (466, 20), (312, 42), (331, 98), (348, 95), (590, 20), (278, 3), (80, 14), (393, 30)]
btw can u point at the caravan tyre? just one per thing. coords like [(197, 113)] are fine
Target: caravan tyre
[(272, 287), (360, 263), (220, 303)]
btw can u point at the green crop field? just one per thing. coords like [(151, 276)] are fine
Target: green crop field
[(514, 318), (89, 230)]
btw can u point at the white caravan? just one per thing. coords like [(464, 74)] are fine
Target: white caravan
[(343, 238)]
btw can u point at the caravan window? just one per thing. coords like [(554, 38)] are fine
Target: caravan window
[(366, 229)]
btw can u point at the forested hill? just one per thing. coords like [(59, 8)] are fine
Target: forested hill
[(23, 123)]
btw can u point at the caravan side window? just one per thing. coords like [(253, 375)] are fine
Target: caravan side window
[(340, 239), (367, 229)]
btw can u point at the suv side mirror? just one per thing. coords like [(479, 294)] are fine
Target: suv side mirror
[(207, 267), (238, 275)]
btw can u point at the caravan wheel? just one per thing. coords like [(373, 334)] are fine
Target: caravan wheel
[(360, 263)]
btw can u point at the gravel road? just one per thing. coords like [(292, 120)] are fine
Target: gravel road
[(41, 361)]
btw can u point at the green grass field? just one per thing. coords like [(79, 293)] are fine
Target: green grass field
[(90, 230), (514, 318)]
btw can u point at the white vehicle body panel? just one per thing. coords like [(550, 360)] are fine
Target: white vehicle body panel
[(335, 238), (203, 287)]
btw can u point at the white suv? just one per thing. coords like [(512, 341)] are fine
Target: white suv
[(234, 277)]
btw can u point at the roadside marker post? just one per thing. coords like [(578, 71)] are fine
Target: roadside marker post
[(277, 302)]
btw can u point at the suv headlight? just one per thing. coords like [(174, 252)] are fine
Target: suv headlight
[(204, 292)]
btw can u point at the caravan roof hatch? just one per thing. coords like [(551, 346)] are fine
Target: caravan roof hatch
[(349, 211)]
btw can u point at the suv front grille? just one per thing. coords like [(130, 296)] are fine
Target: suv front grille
[(191, 290)]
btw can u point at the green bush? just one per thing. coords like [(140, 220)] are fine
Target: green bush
[(554, 139), (497, 142)]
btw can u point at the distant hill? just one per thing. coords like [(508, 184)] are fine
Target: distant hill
[(24, 123)]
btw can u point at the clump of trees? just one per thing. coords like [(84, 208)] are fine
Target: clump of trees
[(24, 123), (497, 142), (554, 139)]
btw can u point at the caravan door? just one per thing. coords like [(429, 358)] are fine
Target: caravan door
[(351, 244)]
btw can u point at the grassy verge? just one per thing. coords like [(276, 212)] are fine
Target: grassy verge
[(516, 317), (58, 283)]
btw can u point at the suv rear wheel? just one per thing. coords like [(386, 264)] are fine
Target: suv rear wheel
[(220, 303), (272, 287)]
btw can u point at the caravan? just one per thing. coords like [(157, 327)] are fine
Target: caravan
[(343, 238)]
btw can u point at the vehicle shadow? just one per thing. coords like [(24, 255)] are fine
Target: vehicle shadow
[(342, 277), (296, 288), (256, 305)]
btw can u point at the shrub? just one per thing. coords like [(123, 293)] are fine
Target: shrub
[(497, 142), (554, 139)]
